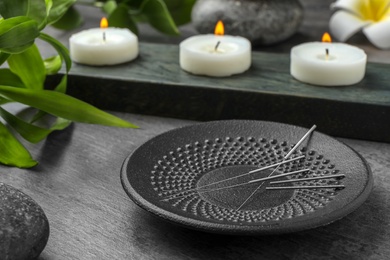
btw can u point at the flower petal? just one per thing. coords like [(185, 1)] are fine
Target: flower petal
[(378, 34), (373, 10), (343, 25), (347, 5)]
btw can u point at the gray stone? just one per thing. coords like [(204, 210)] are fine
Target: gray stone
[(263, 22), (24, 228)]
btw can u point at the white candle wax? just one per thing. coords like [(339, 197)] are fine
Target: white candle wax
[(343, 65), (216, 56), (108, 46)]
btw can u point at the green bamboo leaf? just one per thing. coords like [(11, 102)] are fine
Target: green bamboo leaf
[(12, 8), (3, 57), (158, 16), (134, 4), (38, 12), (70, 20), (64, 54), (120, 18), (40, 114), (62, 105), (13, 152), (22, 28), (4, 101), (35, 9), (109, 6), (52, 65), (61, 87), (60, 48), (30, 132), (29, 66), (58, 9), (180, 10), (49, 5), (10, 79)]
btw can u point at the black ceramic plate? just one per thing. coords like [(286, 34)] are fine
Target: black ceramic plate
[(161, 175)]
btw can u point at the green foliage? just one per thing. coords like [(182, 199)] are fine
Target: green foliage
[(119, 17), (157, 14), (163, 15), (58, 9), (61, 105), (28, 65), (13, 152), (70, 20), (17, 34), (180, 10), (23, 80)]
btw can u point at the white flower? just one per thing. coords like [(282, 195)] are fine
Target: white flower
[(372, 17)]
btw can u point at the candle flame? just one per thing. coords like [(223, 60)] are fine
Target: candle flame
[(103, 23), (219, 28), (326, 37)]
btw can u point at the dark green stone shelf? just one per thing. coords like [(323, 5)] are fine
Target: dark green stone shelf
[(154, 84)]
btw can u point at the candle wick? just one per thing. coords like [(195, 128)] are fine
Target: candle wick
[(104, 36), (216, 46), (327, 53)]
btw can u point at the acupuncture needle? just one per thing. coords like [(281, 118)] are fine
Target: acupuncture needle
[(335, 176), (238, 176), (306, 187), (242, 184), (285, 158), (309, 179)]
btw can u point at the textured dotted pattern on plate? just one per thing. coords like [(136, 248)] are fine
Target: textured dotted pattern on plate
[(175, 176)]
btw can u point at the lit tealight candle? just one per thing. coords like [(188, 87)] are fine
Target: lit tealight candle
[(328, 64), (103, 46), (215, 55)]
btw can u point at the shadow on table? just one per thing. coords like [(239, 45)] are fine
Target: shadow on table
[(54, 147)]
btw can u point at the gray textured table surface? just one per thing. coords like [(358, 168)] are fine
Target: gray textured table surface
[(77, 184)]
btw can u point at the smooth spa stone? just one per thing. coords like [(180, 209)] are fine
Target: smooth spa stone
[(263, 22), (24, 228)]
